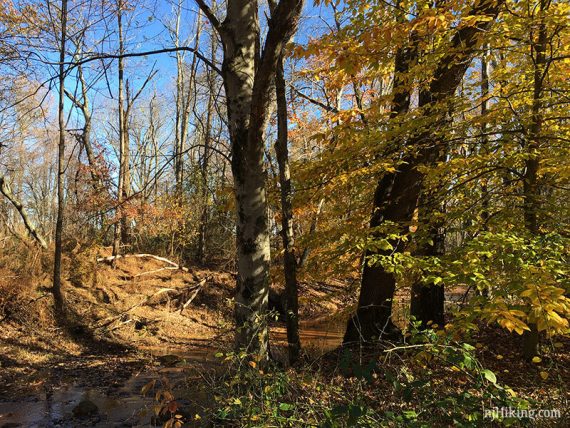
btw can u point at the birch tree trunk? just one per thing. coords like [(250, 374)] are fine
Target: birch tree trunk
[(248, 72)]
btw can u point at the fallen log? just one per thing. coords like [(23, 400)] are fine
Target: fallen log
[(182, 297), (173, 265), (114, 318), (150, 272)]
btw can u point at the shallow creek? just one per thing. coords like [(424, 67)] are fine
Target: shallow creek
[(122, 404)]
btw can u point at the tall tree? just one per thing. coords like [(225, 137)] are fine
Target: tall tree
[(287, 235), (57, 294), (531, 191), (248, 71), (397, 193), (185, 91), (122, 192), (206, 154)]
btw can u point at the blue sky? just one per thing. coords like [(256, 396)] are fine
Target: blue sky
[(144, 29)]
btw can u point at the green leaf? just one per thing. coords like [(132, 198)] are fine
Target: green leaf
[(490, 376), (286, 406), (385, 245)]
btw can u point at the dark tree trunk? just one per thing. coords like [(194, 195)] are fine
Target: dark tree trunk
[(120, 223), (427, 300), (57, 294), (289, 259), (397, 194), (485, 215), (531, 203), (204, 217), (373, 316)]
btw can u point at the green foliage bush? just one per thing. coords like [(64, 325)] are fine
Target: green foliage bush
[(428, 381)]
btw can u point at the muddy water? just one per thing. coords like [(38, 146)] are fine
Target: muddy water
[(120, 408), (119, 405), (124, 406), (316, 338)]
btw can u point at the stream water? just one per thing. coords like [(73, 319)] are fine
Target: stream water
[(123, 405)]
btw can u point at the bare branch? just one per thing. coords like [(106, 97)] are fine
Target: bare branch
[(210, 15), (7, 192), (322, 105), (98, 57)]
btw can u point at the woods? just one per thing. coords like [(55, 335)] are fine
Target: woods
[(391, 174)]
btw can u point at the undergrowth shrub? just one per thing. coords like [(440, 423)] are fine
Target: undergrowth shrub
[(428, 381), (24, 271)]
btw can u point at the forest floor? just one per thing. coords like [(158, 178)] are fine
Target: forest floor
[(144, 321)]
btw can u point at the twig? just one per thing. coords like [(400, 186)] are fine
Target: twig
[(156, 271), (199, 287)]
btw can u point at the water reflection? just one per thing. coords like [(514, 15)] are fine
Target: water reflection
[(122, 405)]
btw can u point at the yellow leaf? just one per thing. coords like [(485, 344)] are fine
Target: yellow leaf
[(544, 375), (536, 360)]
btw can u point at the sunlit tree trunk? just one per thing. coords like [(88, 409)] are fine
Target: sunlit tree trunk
[(248, 73), (185, 93)]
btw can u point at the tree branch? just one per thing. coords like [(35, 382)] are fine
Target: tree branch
[(210, 15), (453, 65), (7, 192), (314, 101), (195, 51), (282, 25)]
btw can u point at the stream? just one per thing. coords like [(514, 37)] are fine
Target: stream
[(122, 404)]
